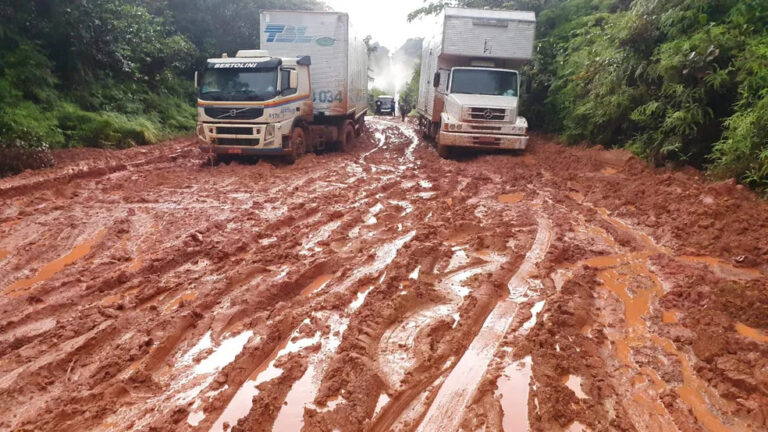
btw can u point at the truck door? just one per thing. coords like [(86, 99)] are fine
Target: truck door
[(440, 92)]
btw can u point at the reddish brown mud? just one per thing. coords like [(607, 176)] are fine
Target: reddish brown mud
[(562, 289)]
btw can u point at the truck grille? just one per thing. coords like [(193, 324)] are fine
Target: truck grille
[(485, 128), (235, 113), (488, 114), (229, 130), (253, 142), (486, 141)]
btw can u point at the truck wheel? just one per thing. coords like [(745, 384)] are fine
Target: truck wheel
[(434, 130), (298, 144), (444, 151), (423, 127), (360, 127), (225, 159), (347, 137)]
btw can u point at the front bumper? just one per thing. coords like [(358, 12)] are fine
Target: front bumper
[(244, 151), (231, 139), (482, 141)]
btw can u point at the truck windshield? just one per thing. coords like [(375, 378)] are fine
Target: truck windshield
[(484, 82), (239, 84)]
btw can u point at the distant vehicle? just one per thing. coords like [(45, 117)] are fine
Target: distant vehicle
[(263, 102), (470, 88), (385, 104)]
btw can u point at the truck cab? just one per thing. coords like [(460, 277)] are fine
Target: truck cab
[(385, 104), (481, 109), (469, 86), (252, 103)]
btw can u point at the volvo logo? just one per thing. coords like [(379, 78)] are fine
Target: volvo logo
[(488, 114), (233, 113)]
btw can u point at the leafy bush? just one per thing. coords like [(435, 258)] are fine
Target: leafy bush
[(743, 151), (410, 95)]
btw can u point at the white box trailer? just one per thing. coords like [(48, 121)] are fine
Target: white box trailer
[(481, 49), (339, 57)]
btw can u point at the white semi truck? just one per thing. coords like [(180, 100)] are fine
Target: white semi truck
[(470, 87), (305, 90)]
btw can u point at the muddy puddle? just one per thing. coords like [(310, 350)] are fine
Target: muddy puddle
[(316, 285), (184, 298), (239, 406), (573, 382), (47, 271), (669, 317), (751, 333), (633, 281), (514, 385), (511, 198)]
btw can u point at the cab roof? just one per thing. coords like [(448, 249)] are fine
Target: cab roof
[(491, 14), (285, 61)]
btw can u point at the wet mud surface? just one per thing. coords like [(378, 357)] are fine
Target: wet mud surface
[(559, 289)]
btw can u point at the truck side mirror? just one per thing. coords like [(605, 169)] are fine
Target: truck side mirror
[(196, 86), (436, 80), (293, 79)]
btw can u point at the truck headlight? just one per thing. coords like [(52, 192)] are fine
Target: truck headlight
[(269, 132), (458, 126), (200, 130)]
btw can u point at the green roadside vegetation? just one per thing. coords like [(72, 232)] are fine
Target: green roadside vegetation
[(410, 95), (110, 73), (675, 81)]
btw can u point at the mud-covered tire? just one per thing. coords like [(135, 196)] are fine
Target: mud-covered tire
[(359, 127), (444, 151), (298, 143), (225, 159), (434, 130), (347, 137)]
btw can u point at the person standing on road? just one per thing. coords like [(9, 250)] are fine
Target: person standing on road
[(405, 109)]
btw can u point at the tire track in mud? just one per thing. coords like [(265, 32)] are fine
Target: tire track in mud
[(396, 355), (457, 389), (318, 174), (313, 237), (302, 392), (296, 413), (384, 289)]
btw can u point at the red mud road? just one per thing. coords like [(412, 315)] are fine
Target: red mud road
[(383, 289)]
